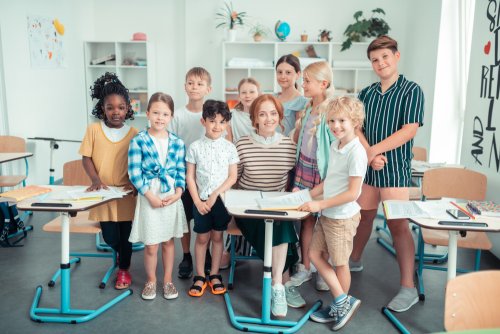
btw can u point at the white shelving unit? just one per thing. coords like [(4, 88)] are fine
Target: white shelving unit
[(351, 69), (134, 66)]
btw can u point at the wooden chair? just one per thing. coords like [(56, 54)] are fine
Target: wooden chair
[(74, 175), (472, 301), (456, 183), (11, 144), (233, 231)]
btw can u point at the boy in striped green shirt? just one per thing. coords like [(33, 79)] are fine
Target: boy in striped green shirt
[(394, 112)]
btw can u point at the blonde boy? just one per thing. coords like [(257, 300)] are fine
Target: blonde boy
[(334, 233), (186, 125)]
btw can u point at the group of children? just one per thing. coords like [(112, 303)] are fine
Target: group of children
[(333, 149)]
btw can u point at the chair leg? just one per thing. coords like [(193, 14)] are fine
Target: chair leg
[(112, 268), (56, 275), (232, 262), (477, 262), (420, 267)]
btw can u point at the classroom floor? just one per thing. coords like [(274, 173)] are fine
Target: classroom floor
[(24, 268)]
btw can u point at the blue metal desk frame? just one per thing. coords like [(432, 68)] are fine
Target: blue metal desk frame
[(265, 324)]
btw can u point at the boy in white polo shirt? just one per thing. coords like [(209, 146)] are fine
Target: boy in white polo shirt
[(211, 170), (334, 233)]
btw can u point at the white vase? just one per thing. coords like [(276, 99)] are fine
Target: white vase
[(231, 35)]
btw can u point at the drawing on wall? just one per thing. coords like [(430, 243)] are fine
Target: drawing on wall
[(481, 133), (45, 36)]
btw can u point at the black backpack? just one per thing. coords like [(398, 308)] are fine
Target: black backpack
[(10, 223)]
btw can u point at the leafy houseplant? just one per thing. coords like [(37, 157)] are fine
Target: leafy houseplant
[(258, 31), (227, 16), (363, 27), (324, 36)]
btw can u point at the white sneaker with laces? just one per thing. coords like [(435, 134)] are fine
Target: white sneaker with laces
[(302, 275), (321, 284), (279, 306)]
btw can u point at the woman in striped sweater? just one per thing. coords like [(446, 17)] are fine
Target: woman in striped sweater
[(266, 157)]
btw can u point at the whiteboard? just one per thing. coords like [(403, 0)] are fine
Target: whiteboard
[(481, 133)]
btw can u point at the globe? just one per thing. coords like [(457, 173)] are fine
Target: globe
[(282, 30)]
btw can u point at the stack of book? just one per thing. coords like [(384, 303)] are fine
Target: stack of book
[(484, 208), (17, 195)]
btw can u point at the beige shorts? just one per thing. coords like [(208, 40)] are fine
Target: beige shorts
[(335, 237), (371, 196)]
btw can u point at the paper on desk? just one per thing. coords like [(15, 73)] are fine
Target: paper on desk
[(395, 209), (241, 198), (290, 201), (422, 166), (80, 193)]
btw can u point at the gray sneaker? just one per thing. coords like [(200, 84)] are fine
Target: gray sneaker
[(293, 297), (321, 284), (355, 266), (279, 306), (406, 298)]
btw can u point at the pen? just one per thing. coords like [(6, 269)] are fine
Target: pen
[(462, 209), (94, 198)]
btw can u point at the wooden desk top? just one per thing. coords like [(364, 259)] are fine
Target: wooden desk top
[(75, 207), (5, 157), (432, 223)]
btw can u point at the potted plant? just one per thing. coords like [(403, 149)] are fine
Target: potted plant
[(365, 28), (228, 17), (324, 36), (258, 31)]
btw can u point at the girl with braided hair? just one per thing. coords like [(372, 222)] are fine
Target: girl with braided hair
[(104, 151)]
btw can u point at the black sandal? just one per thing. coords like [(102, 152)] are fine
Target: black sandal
[(216, 285), (200, 289)]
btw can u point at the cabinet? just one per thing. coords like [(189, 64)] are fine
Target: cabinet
[(132, 62), (351, 69)]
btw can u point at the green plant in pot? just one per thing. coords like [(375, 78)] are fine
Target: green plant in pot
[(365, 27)]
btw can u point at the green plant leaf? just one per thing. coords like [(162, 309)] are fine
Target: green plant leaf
[(346, 45), (358, 14), (378, 10)]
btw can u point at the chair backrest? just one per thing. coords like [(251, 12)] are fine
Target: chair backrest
[(472, 301), (12, 144), (455, 183), (74, 174), (419, 153)]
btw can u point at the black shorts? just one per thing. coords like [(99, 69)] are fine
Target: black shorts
[(187, 202), (217, 219)]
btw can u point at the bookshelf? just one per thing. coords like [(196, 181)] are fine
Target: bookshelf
[(132, 62), (351, 69)]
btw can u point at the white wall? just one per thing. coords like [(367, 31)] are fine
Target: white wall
[(51, 103), (414, 24), (43, 102)]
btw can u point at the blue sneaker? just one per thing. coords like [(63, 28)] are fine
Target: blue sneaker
[(345, 313), (324, 315)]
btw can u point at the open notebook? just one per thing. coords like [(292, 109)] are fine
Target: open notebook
[(266, 200)]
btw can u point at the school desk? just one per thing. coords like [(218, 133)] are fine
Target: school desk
[(453, 231), (53, 144), (66, 314), (265, 324), (6, 157)]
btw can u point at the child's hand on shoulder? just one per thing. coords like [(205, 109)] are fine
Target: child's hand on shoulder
[(312, 206), (97, 186), (378, 162), (202, 207)]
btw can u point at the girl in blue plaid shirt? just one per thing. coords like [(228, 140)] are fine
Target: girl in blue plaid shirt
[(156, 167)]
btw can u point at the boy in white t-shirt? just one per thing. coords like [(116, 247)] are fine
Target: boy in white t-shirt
[(334, 233), (187, 126)]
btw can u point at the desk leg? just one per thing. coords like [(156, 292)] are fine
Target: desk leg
[(265, 324), (452, 255), (65, 313)]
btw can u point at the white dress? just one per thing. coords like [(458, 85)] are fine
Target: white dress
[(152, 226)]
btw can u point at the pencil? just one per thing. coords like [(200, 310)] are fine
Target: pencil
[(462, 209)]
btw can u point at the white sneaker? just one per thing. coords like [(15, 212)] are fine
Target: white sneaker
[(321, 284), (302, 275), (406, 298), (279, 306), (355, 266)]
